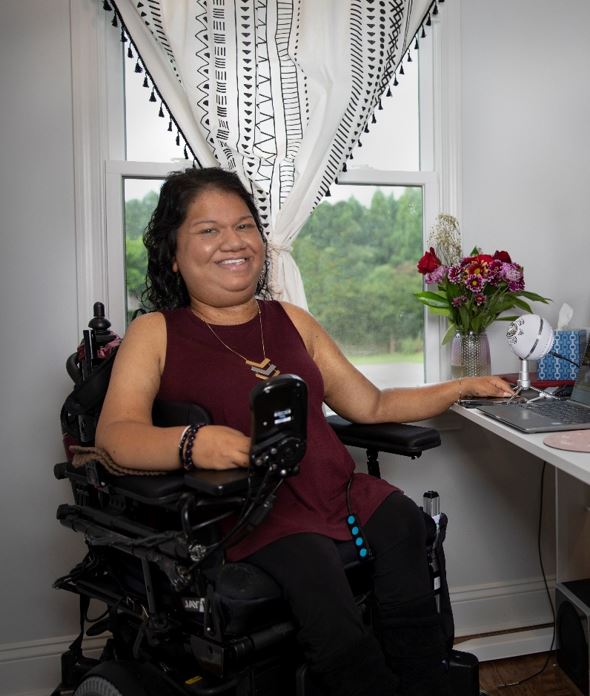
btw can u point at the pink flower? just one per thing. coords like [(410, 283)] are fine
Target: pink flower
[(475, 283), (436, 276)]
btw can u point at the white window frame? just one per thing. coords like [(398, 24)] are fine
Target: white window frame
[(100, 167)]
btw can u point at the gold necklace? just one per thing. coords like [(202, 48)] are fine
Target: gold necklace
[(262, 370)]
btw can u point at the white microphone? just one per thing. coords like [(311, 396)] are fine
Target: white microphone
[(530, 337)]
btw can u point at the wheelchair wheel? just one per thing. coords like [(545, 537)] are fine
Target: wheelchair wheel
[(97, 686), (114, 678)]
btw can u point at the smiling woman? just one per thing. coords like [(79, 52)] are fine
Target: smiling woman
[(211, 340)]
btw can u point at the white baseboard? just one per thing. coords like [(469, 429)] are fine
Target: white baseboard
[(33, 668), (501, 606), (497, 647)]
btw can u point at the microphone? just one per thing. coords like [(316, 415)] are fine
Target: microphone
[(531, 337)]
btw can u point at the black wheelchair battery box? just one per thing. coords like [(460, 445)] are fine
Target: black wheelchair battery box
[(279, 424)]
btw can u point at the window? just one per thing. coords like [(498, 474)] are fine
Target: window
[(388, 198), (358, 251)]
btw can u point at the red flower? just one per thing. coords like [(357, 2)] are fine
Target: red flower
[(503, 256), (429, 262)]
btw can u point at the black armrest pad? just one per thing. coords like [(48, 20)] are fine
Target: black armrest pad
[(397, 438), (218, 483)]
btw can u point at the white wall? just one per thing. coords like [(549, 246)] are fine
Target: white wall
[(525, 112), (38, 329)]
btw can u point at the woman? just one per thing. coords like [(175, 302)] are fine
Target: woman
[(210, 342)]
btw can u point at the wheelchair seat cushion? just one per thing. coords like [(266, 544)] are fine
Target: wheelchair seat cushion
[(248, 598)]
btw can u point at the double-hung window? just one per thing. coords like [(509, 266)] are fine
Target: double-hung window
[(357, 252)]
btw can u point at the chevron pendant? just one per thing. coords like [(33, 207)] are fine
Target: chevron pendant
[(264, 369)]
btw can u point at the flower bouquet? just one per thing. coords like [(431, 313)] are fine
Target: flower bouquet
[(471, 291)]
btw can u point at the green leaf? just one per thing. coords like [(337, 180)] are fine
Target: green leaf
[(435, 301), (534, 297), (451, 331), (523, 305)]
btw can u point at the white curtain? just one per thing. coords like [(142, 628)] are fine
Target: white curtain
[(278, 90)]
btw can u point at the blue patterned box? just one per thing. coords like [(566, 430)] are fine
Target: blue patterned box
[(570, 344)]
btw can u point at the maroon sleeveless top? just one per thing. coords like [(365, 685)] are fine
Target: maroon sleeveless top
[(199, 369)]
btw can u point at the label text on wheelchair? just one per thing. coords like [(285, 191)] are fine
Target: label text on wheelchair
[(196, 604)]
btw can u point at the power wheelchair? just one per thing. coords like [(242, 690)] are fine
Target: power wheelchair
[(177, 618)]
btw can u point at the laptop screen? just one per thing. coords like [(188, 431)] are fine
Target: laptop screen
[(581, 390)]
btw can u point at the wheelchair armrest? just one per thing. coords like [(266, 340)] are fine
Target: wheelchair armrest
[(217, 483), (396, 438)]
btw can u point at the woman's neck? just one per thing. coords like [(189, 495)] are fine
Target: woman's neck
[(233, 314)]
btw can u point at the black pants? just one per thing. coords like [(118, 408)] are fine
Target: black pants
[(309, 569)]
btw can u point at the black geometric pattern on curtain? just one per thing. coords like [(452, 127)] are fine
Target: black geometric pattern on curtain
[(279, 91)]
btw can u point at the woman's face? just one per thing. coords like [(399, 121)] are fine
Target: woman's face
[(219, 250)]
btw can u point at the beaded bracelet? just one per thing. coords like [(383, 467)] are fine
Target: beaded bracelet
[(460, 389), (188, 437), (182, 443)]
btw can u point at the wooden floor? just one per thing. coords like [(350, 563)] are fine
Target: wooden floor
[(552, 682)]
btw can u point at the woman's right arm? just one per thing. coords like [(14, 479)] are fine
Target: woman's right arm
[(125, 428)]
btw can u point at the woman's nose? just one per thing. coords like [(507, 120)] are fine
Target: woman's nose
[(232, 239)]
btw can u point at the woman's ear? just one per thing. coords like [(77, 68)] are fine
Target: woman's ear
[(174, 265)]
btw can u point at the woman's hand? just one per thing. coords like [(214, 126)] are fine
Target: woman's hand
[(490, 385), (220, 447)]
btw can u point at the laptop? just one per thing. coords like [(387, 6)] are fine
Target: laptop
[(549, 415)]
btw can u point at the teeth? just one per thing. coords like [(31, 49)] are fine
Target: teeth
[(232, 261)]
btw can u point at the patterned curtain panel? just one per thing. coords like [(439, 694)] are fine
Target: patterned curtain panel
[(278, 90)]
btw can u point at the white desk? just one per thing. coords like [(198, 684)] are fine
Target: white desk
[(576, 464), (572, 501)]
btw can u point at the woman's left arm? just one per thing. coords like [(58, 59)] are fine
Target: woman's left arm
[(353, 396)]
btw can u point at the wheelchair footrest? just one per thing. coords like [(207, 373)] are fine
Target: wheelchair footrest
[(463, 674)]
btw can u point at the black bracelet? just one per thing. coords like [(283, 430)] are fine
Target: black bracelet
[(181, 444), (191, 434)]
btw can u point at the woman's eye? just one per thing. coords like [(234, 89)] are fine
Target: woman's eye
[(245, 226), (207, 230)]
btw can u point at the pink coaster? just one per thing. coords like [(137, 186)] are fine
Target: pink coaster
[(572, 440)]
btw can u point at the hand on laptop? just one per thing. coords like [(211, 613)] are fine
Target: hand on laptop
[(489, 385)]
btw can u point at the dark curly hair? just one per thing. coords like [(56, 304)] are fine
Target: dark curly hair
[(165, 289)]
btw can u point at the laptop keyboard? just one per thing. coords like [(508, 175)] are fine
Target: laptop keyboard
[(563, 411)]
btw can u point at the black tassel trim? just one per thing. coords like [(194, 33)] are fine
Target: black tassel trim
[(389, 90), (140, 67), (401, 69), (395, 82), (435, 10), (344, 167)]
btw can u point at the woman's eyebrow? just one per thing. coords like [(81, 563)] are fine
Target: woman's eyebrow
[(215, 222)]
